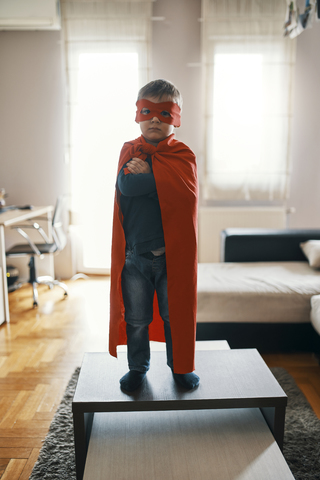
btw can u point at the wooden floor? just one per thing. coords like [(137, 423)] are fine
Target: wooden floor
[(40, 349)]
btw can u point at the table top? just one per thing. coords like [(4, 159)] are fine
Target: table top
[(228, 379), (10, 217)]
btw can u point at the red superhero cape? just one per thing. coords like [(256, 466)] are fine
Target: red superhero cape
[(175, 173)]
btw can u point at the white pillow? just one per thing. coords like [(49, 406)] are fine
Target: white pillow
[(311, 249)]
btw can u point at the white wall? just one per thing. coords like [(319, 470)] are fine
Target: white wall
[(177, 43), (31, 117), (305, 180), (175, 48), (32, 92)]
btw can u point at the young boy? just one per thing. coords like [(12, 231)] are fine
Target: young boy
[(154, 244)]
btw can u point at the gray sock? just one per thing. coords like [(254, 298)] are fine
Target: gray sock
[(131, 380), (187, 380)]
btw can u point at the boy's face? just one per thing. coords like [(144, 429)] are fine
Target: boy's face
[(154, 130)]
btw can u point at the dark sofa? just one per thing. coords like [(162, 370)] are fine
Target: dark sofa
[(244, 246), (259, 245)]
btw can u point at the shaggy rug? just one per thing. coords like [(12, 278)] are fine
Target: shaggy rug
[(301, 440)]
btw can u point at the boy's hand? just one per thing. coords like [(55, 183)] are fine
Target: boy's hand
[(136, 165)]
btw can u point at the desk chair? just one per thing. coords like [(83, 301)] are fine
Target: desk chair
[(39, 249)]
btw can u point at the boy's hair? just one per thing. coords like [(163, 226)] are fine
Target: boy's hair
[(159, 88)]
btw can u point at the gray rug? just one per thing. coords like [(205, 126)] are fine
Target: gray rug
[(301, 441)]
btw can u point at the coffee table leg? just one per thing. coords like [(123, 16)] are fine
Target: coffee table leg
[(275, 416), (82, 424)]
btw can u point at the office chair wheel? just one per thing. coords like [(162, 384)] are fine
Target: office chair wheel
[(35, 293)]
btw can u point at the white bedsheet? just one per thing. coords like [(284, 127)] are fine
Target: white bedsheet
[(256, 292)]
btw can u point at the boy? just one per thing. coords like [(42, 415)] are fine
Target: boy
[(154, 243)]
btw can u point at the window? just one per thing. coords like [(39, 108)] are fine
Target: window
[(104, 120), (237, 115), (107, 46), (249, 69)]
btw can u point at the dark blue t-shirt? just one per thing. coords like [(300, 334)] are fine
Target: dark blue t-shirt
[(140, 206)]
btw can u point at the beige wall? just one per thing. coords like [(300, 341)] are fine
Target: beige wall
[(32, 90), (176, 56), (305, 179), (31, 117)]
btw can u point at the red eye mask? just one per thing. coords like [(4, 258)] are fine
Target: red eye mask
[(158, 110)]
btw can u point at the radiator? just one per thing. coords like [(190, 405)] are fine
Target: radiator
[(212, 220)]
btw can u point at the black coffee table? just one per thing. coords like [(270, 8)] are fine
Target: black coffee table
[(230, 379)]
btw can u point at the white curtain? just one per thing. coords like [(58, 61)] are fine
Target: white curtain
[(248, 99), (107, 50)]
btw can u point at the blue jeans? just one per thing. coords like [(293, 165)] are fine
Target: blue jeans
[(142, 275)]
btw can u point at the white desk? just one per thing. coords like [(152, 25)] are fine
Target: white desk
[(8, 219)]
